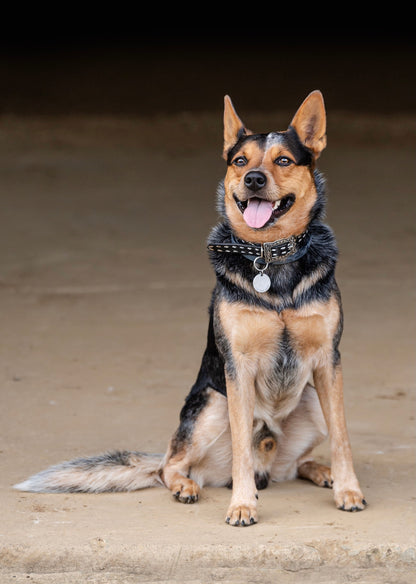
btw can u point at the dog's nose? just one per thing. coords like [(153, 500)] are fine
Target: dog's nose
[(255, 180)]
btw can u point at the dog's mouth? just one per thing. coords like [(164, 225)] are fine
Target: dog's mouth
[(259, 213)]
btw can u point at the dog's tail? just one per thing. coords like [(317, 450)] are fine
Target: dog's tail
[(110, 472)]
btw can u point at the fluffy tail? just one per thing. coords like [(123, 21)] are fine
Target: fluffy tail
[(111, 472)]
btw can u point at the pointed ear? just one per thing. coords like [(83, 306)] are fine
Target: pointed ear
[(233, 126), (310, 123)]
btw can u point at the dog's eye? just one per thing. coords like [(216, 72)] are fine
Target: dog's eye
[(283, 161), (240, 161)]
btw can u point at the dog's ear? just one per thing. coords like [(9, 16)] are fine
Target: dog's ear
[(310, 123), (234, 128)]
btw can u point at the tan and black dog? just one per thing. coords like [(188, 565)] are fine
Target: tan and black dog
[(270, 381)]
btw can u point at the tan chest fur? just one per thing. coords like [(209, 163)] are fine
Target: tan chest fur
[(277, 353)]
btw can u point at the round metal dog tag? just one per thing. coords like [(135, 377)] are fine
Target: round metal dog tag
[(261, 282)]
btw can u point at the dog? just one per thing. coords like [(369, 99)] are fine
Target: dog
[(270, 382)]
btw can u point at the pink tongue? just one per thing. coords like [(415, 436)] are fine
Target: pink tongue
[(257, 212)]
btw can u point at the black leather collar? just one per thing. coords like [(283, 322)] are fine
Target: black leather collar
[(281, 251)]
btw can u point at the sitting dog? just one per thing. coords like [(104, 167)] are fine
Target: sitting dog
[(270, 382)]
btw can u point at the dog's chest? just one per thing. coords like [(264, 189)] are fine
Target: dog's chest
[(275, 352)]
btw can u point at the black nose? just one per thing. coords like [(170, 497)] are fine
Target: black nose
[(255, 180)]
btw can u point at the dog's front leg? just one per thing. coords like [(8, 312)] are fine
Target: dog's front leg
[(347, 492), (243, 506)]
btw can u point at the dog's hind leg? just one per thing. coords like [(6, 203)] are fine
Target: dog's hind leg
[(199, 452), (302, 431)]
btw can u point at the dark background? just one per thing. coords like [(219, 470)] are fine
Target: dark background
[(159, 62)]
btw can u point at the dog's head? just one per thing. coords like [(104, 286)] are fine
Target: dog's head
[(269, 188)]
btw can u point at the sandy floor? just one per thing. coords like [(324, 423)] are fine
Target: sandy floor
[(104, 288)]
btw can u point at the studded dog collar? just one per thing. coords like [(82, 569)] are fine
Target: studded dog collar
[(281, 251)]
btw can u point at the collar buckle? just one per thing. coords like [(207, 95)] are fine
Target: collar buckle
[(267, 252), (276, 249)]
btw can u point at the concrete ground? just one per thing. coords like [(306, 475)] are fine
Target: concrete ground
[(104, 288)]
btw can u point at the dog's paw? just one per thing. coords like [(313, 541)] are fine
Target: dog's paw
[(350, 500), (242, 515), (186, 491), (317, 473)]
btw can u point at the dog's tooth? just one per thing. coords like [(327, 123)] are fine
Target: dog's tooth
[(276, 205)]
